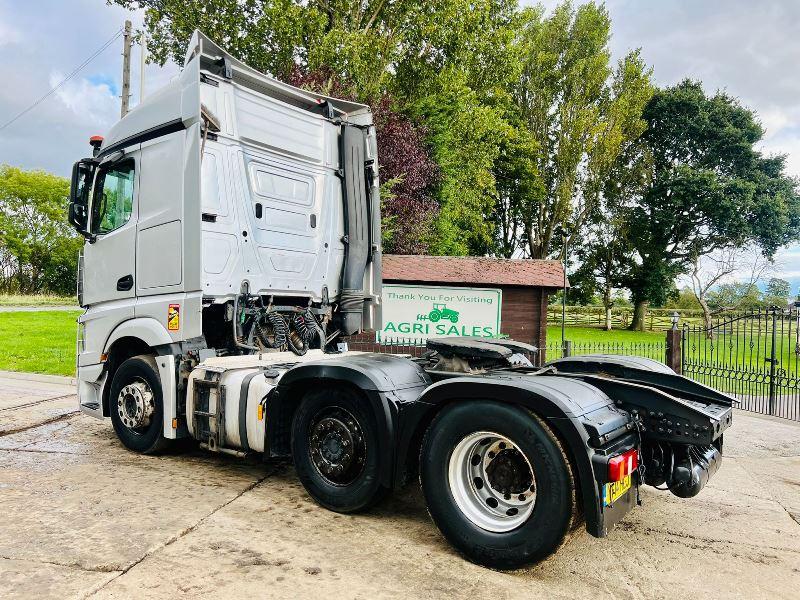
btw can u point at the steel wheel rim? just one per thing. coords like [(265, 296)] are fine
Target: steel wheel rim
[(337, 446), (492, 481), (136, 405)]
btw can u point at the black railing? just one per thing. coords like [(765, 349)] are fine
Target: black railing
[(753, 356), (553, 350)]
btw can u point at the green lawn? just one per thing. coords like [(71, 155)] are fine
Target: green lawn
[(44, 342), (38, 342), (583, 335)]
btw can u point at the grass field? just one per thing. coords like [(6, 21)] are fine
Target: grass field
[(37, 300), (44, 342), (38, 342), (584, 335)]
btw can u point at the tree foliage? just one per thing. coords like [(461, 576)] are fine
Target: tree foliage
[(38, 249), (704, 188), (574, 113)]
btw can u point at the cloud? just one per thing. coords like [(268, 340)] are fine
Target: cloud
[(91, 103)]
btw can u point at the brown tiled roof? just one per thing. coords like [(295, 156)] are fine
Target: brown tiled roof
[(468, 270)]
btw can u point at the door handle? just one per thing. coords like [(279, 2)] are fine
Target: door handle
[(125, 283), (259, 210)]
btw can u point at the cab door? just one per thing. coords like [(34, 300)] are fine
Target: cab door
[(110, 260)]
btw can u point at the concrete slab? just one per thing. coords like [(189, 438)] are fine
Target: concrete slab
[(83, 517), (19, 392), (26, 416)]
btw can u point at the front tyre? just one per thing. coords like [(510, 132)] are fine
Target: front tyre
[(497, 483), (335, 450), (136, 405)]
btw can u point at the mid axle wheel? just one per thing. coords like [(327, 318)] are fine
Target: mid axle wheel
[(337, 446), (335, 450)]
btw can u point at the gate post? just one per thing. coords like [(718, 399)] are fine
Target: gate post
[(674, 355), (773, 361)]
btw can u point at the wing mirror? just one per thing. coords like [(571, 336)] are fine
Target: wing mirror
[(81, 185)]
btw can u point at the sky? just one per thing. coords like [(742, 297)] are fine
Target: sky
[(749, 49)]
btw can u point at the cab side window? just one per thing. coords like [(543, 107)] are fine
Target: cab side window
[(112, 204)]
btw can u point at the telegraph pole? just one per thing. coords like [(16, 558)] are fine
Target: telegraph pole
[(126, 69)]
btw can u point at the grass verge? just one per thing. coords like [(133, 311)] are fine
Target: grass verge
[(38, 342)]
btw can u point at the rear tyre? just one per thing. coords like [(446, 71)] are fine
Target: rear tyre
[(136, 405), (497, 484), (335, 451)]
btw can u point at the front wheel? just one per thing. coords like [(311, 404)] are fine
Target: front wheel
[(136, 405), (497, 483)]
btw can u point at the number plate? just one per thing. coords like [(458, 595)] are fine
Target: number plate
[(614, 491)]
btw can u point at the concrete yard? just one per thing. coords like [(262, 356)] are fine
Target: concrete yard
[(80, 516)]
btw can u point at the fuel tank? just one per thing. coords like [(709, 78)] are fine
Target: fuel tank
[(226, 398)]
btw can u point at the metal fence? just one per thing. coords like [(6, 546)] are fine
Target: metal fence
[(655, 350), (752, 356), (553, 350)]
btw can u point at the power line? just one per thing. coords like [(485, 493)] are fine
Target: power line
[(65, 80)]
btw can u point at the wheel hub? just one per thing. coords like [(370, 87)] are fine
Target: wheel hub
[(492, 481), (337, 446), (135, 405)]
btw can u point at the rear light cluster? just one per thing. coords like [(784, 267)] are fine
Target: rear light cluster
[(619, 467)]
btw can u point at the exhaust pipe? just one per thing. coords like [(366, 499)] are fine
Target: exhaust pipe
[(356, 229)]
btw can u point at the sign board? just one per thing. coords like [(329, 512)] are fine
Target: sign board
[(413, 313)]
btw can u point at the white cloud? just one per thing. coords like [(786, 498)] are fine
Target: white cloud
[(89, 103)]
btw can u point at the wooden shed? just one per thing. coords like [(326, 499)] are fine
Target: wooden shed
[(525, 285)]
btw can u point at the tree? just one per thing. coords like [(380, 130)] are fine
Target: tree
[(777, 292), (706, 188), (578, 111), (38, 249), (605, 259)]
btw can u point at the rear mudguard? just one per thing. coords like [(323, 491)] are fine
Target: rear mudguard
[(389, 383), (581, 416)]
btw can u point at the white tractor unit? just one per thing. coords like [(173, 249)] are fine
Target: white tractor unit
[(233, 243)]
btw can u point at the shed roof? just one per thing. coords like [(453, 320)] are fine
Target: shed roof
[(470, 270)]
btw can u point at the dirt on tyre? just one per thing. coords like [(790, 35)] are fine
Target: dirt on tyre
[(136, 405), (335, 450), (497, 484)]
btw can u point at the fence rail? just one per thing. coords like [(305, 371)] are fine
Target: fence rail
[(656, 319), (553, 350)]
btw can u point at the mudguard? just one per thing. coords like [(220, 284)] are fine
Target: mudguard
[(580, 414), (390, 383)]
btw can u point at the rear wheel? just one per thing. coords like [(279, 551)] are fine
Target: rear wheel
[(335, 450), (136, 406), (497, 483)]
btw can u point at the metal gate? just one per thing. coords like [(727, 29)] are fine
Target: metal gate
[(753, 356)]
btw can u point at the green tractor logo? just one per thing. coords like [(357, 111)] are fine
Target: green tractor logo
[(439, 312)]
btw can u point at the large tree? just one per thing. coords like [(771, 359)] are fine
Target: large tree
[(706, 188), (38, 249), (576, 113)]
